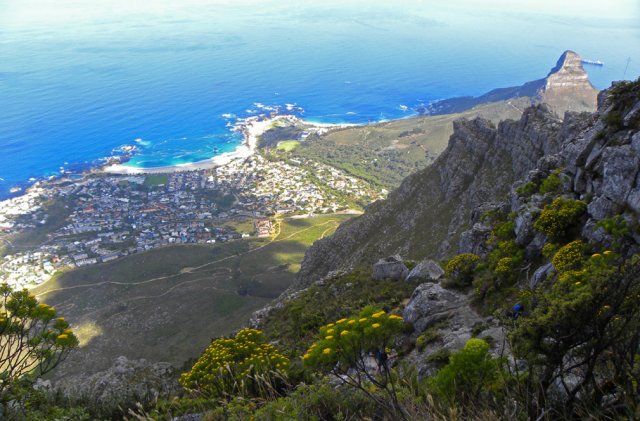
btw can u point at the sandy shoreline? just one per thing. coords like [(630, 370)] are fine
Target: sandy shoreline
[(252, 130)]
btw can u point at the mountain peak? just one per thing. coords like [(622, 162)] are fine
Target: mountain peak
[(567, 86), (569, 61)]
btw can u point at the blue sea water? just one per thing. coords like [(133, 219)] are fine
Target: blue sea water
[(79, 79)]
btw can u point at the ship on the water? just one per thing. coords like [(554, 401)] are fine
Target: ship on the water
[(593, 62)]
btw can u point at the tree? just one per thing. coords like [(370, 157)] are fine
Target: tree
[(581, 339), (33, 339), (345, 349)]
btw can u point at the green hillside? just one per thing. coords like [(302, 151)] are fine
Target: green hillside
[(179, 296)]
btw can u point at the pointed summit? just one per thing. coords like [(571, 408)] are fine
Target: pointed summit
[(567, 86)]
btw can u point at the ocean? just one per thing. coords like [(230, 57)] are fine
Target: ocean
[(81, 79)]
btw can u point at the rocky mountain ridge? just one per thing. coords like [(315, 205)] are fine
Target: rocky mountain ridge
[(436, 212)]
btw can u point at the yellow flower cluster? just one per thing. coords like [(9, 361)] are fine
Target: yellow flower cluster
[(347, 334), (569, 256), (233, 361)]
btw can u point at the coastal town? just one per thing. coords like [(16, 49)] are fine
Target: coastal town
[(102, 217)]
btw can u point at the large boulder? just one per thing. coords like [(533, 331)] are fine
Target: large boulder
[(475, 240), (431, 303), (391, 268), (447, 312), (426, 271)]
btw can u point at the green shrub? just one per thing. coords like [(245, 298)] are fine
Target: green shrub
[(550, 249), (440, 356), (460, 268), (527, 189), (557, 218), (428, 336), (505, 230), (613, 119), (551, 184), (586, 321), (240, 366), (469, 372), (568, 256), (320, 401), (505, 259), (616, 226)]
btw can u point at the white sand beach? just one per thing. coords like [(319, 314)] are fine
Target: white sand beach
[(252, 129)]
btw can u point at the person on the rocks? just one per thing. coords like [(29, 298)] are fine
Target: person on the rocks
[(517, 311)]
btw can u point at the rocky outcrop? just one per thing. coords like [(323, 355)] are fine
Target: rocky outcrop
[(566, 88), (425, 271), (448, 312), (126, 382), (598, 157), (391, 268)]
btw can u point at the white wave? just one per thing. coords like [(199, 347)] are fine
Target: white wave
[(142, 142), (1, 179), (351, 113), (403, 107), (229, 115)]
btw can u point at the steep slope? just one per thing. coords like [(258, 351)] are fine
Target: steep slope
[(427, 213), (566, 88)]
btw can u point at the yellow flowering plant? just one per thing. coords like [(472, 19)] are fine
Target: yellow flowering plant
[(349, 347), (559, 217), (243, 365), (33, 339), (461, 267)]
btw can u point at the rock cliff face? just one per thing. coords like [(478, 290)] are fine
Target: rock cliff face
[(598, 160), (436, 212), (566, 88)]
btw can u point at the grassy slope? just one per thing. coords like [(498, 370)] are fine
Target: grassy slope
[(295, 324), (166, 304), (386, 153)]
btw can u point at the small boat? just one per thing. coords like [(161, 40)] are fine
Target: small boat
[(593, 62)]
